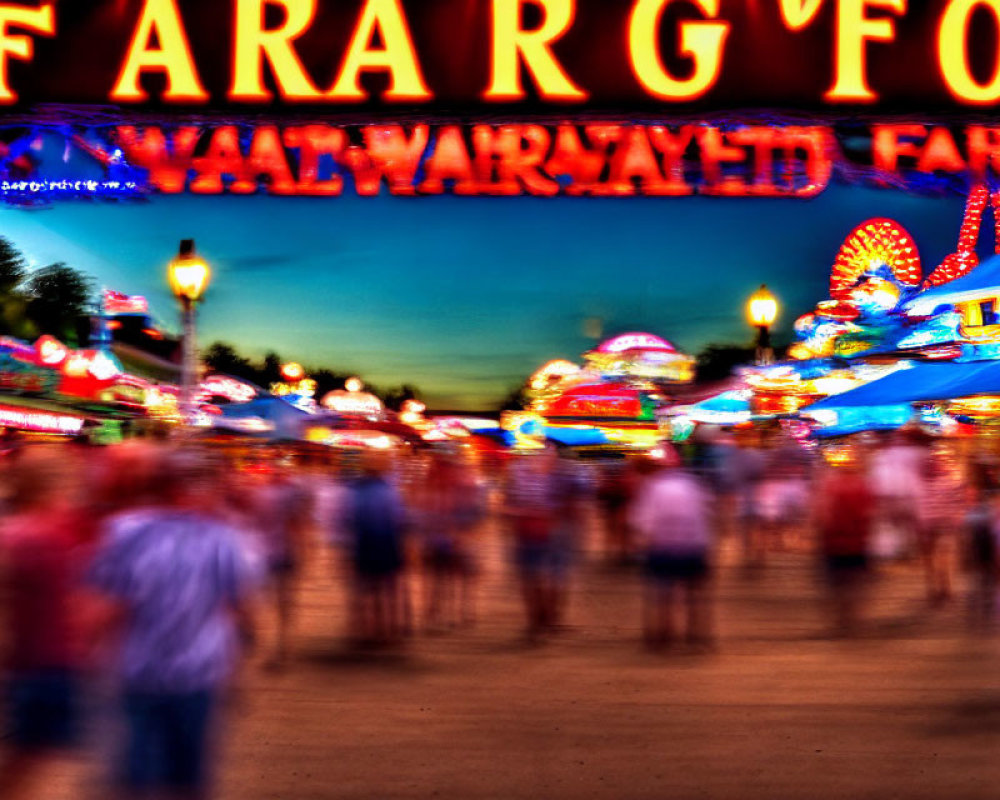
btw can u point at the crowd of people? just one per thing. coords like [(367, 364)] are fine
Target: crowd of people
[(148, 563)]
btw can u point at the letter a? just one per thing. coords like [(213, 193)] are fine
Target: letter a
[(397, 57), (172, 57)]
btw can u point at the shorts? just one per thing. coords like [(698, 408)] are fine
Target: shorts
[(44, 708), (660, 567), (167, 740), (442, 557), (282, 565), (532, 558), (845, 568)]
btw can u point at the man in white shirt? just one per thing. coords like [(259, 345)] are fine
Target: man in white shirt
[(671, 517)]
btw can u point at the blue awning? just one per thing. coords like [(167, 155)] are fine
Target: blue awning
[(942, 381), (981, 279)]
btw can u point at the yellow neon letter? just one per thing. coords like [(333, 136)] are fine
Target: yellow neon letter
[(853, 30), (254, 44), (953, 57), (173, 57), (397, 57), (39, 20), (512, 45), (796, 14), (702, 41)]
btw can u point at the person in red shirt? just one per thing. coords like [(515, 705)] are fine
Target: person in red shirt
[(42, 540), (845, 515)]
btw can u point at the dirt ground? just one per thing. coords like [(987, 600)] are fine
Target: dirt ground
[(910, 710)]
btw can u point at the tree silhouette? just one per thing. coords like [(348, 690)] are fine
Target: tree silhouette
[(57, 297), (12, 300)]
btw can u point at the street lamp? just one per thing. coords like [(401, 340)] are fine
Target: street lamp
[(188, 275), (762, 310)]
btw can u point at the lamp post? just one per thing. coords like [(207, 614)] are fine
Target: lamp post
[(762, 310), (188, 275)]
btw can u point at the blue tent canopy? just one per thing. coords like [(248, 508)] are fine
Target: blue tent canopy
[(284, 419), (944, 381), (984, 277)]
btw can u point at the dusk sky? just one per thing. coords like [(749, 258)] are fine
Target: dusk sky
[(464, 297)]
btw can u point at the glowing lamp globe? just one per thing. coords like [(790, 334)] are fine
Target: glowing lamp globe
[(762, 308), (353, 385), (292, 372), (189, 276)]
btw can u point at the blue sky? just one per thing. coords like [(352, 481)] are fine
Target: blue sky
[(464, 297)]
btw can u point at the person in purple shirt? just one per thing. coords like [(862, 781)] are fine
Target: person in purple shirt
[(180, 579)]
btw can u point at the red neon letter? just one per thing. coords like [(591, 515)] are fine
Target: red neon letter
[(570, 159), (253, 45), (702, 41), (673, 146), (853, 30), (222, 159), (397, 57), (941, 153), (953, 55), (314, 142), (39, 20), (634, 161), (714, 153), (172, 56), (267, 158), (820, 149), (512, 45), (389, 153), (510, 153), (167, 169), (887, 147), (449, 162), (984, 150)]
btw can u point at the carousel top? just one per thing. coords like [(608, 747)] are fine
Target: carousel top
[(635, 341)]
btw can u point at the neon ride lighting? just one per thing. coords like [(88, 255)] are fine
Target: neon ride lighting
[(40, 421), (119, 303), (635, 341), (873, 244), (235, 391), (51, 352)]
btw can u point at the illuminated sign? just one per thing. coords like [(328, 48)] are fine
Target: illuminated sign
[(118, 303), (635, 341), (352, 403), (483, 54), (593, 158), (232, 389), (572, 77), (597, 159), (42, 421)]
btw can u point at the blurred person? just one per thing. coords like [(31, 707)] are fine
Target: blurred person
[(543, 504), (614, 494), (897, 472), (939, 515), (178, 581), (280, 506), (448, 506), (672, 517), (982, 544), (747, 468), (44, 540), (782, 496), (375, 519), (845, 515)]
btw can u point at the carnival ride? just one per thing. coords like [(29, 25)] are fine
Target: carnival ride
[(891, 344), (612, 400)]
